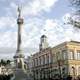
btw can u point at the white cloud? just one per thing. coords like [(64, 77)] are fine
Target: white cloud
[(32, 30), (31, 7), (48, 3), (50, 24), (38, 6), (55, 31), (8, 39)]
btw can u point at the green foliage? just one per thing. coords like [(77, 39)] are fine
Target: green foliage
[(76, 5), (75, 23), (5, 77), (5, 62), (8, 61)]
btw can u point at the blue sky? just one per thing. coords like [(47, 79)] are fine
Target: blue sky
[(38, 15)]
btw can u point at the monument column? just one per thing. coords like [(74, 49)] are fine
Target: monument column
[(19, 57), (20, 70)]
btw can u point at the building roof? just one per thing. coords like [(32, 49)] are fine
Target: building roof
[(75, 41), (58, 46), (67, 42)]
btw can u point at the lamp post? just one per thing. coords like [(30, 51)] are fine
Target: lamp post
[(59, 68), (59, 64), (73, 72)]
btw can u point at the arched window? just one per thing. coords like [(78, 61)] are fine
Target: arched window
[(39, 60), (47, 59), (64, 54), (78, 54), (43, 59), (71, 54)]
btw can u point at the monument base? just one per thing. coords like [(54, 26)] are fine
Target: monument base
[(20, 74)]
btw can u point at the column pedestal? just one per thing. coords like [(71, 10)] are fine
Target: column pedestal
[(20, 74)]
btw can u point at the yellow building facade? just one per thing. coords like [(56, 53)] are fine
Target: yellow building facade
[(57, 62)]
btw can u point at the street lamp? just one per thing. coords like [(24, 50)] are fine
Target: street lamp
[(59, 68), (73, 72), (59, 64)]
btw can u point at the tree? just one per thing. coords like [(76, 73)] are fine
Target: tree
[(3, 62), (75, 19), (8, 61), (75, 3), (74, 22)]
